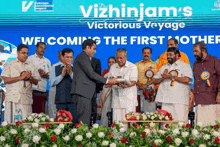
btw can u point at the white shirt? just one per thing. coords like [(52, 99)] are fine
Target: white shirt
[(179, 92), (124, 97), (21, 91), (40, 63)]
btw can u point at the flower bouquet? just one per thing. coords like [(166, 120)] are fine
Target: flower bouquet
[(133, 116), (63, 116), (166, 114), (38, 118), (149, 95)]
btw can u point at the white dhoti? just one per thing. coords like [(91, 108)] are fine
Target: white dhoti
[(119, 113), (207, 114), (179, 112), (11, 107), (146, 106)]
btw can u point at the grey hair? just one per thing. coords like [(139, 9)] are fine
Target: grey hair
[(122, 50)]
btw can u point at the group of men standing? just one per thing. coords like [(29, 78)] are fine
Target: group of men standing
[(76, 84)]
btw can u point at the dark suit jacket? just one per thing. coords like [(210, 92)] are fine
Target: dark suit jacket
[(84, 77), (96, 64)]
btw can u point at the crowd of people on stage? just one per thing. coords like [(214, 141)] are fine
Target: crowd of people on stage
[(74, 85)]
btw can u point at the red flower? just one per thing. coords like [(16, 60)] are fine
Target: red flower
[(167, 125), (47, 125), (191, 141), (78, 125), (216, 126), (17, 139), (188, 125), (123, 140), (136, 126), (143, 134), (79, 146), (18, 123), (53, 138), (155, 146), (112, 125), (216, 141), (110, 134), (168, 138)]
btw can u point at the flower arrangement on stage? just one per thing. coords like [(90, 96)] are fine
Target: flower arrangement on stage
[(159, 115), (80, 135), (38, 118)]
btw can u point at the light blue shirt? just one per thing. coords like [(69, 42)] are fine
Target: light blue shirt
[(54, 80)]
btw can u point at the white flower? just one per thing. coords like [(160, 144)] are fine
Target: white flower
[(66, 138), (79, 138), (2, 138), (157, 141), (36, 139), (162, 132), (160, 118), (122, 129), (176, 131), (121, 125), (13, 131), (152, 117), (42, 130), (51, 119), (152, 124), (36, 120), (95, 126), (41, 114), (89, 135), (202, 145), (112, 145), (206, 137), (199, 124), (47, 117), (43, 119), (105, 143), (61, 126), (180, 124), (144, 117), (147, 131), (151, 113), (167, 118), (216, 134), (57, 131), (171, 146), (185, 134), (195, 132), (138, 117), (54, 145), (30, 118), (4, 123), (7, 145), (25, 145), (74, 130), (155, 115), (26, 130), (101, 134), (178, 141), (35, 125), (133, 133)]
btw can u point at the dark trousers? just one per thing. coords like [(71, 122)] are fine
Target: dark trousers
[(94, 109), (39, 101), (69, 107), (83, 106)]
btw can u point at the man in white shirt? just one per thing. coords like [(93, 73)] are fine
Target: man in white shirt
[(174, 79), (52, 92), (19, 76), (43, 65), (124, 95)]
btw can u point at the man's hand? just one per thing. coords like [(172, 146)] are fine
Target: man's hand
[(69, 69), (123, 85), (26, 75), (64, 71), (218, 98), (112, 81), (43, 74)]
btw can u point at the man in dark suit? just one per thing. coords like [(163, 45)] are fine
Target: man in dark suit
[(61, 76), (84, 81), (96, 64)]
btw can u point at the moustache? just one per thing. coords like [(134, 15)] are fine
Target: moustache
[(146, 56)]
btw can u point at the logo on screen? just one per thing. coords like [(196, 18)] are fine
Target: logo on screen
[(38, 6), (217, 5)]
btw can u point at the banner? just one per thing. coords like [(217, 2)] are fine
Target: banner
[(113, 24)]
